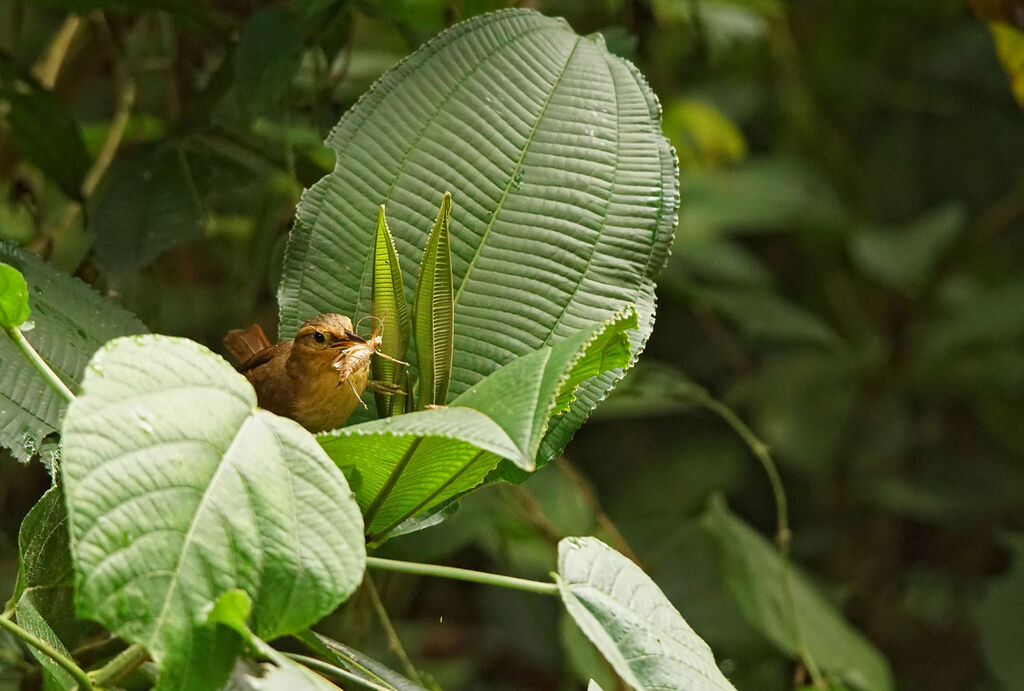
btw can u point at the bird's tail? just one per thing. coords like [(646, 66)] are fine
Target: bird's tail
[(244, 343)]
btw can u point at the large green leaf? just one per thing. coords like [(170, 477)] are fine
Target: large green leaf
[(637, 629), (405, 465), (753, 571), (565, 194), (179, 488), (71, 322)]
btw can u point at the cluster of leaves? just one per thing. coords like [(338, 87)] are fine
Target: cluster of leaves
[(846, 275), (195, 525)]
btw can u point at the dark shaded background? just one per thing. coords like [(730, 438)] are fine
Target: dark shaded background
[(848, 276)]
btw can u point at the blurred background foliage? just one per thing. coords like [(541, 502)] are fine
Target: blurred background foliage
[(848, 276)]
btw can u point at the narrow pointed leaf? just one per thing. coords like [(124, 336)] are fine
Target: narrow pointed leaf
[(566, 189), (434, 312), (179, 488), (390, 310), (627, 617), (71, 322)]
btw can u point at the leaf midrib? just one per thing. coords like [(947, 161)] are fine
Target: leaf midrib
[(515, 172)]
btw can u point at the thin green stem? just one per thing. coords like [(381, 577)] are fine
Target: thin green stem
[(336, 672), (44, 369), (125, 662), (84, 684), (462, 575), (394, 642), (783, 536), (8, 610)]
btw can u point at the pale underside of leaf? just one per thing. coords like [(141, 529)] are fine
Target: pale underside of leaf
[(637, 629), (179, 489)]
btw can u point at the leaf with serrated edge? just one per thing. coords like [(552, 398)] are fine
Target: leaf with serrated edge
[(402, 466), (637, 629), (434, 312), (390, 310), (71, 322), (752, 571), (565, 189), (179, 488)]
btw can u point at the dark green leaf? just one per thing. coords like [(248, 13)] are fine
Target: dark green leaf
[(905, 258), (71, 322), (44, 594), (999, 619), (267, 57), (180, 489), (146, 205), (752, 570), (42, 130)]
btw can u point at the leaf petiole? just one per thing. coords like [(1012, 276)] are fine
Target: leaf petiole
[(44, 369), (462, 575)]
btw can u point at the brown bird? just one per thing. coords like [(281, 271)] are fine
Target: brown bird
[(316, 379)]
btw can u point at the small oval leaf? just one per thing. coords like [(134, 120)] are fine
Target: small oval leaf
[(13, 297)]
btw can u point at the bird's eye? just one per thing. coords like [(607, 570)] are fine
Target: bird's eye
[(319, 337)]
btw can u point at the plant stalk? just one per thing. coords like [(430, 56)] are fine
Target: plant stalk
[(394, 642), (124, 662), (335, 672), (783, 536), (462, 575), (44, 369), (84, 683)]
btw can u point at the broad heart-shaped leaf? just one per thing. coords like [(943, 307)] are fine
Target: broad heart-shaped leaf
[(564, 194), (392, 309), (71, 322), (14, 308), (752, 570), (637, 629), (44, 591), (179, 488), (405, 465)]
